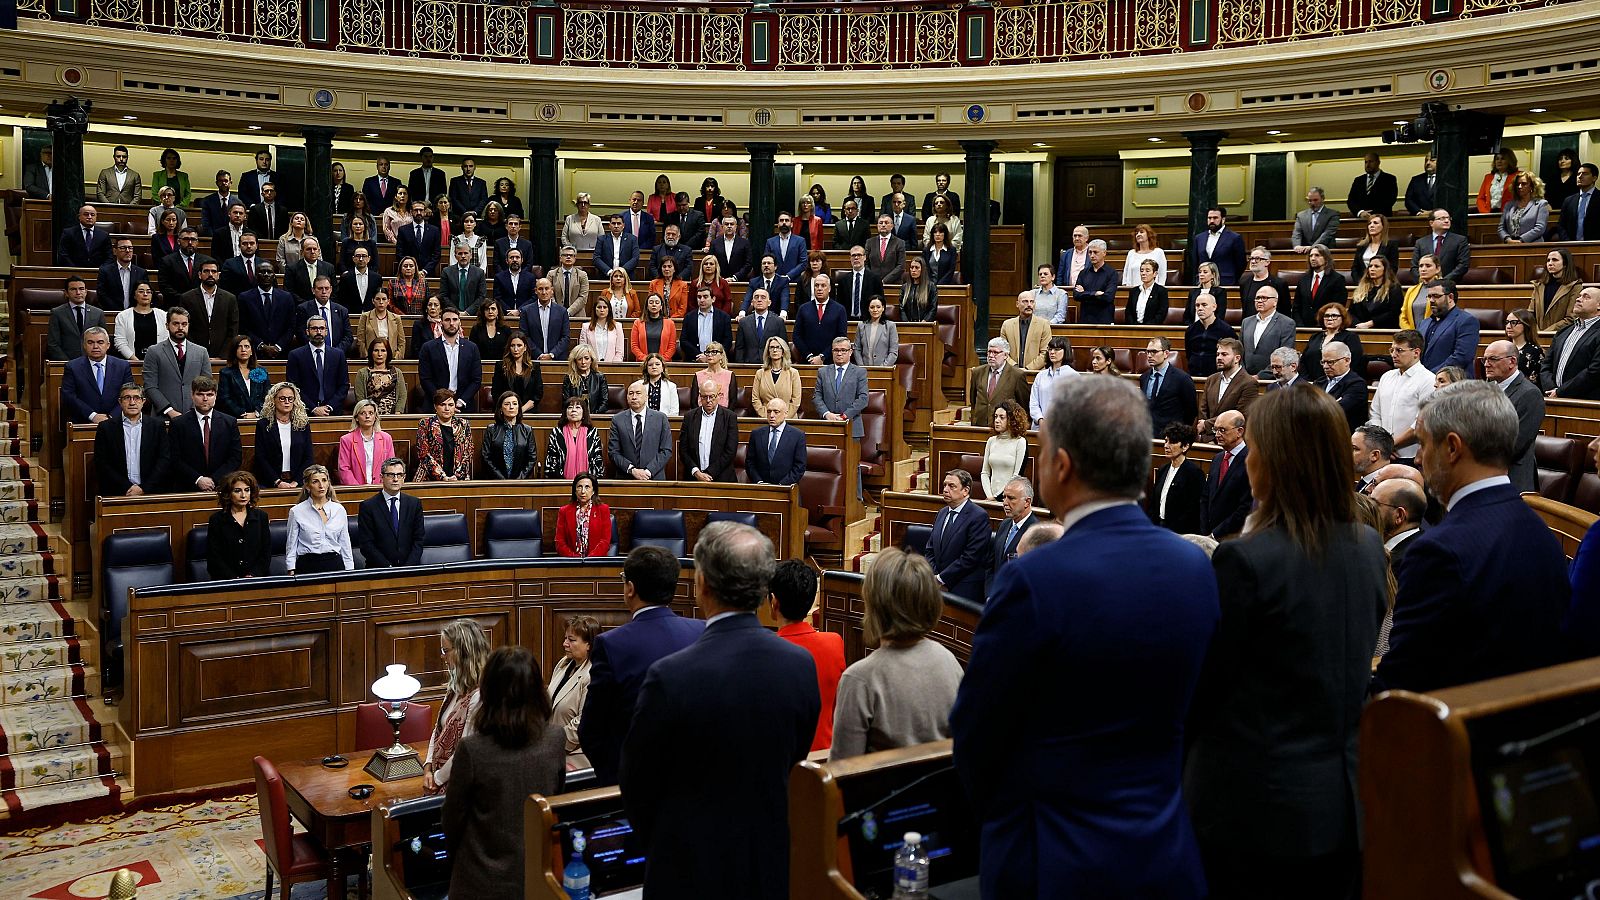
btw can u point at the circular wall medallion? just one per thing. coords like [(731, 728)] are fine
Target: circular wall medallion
[(549, 112), (72, 76), (1439, 79), (323, 99), (976, 113), (761, 118), (1197, 101)]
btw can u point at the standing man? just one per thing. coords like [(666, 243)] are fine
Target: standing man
[(851, 229), (418, 239), (1450, 335), (1073, 259), (180, 270), (1372, 448), (1450, 249), (703, 326), (266, 313), (941, 184), (267, 216), (130, 450), (512, 241), (205, 442), (334, 315), (1400, 392), (239, 273), (571, 284), (1373, 192), (253, 185), (886, 252), (902, 221), (641, 440), (40, 180), (1466, 610), (616, 249), (840, 394), (1580, 213), (1419, 191), (1345, 386), (777, 452), (670, 248), (1227, 499), (755, 328), (320, 371), (71, 320), (1016, 501), (995, 381), (89, 383), (960, 547), (468, 192), (1403, 504), (1265, 331), (426, 181), (1124, 674), (514, 287), (858, 284), (171, 366), (451, 361), (1217, 245), (637, 221), (1096, 288), (361, 283), (391, 522), (118, 183), (1230, 387), (116, 279), (83, 246), (1316, 224), (214, 208), (1029, 337), (787, 248), (1572, 367), (546, 324), (732, 251), (213, 312), (1500, 367), (1167, 389), (709, 438), (461, 286), (736, 671), (1285, 368), (225, 241), (818, 322), (621, 656)]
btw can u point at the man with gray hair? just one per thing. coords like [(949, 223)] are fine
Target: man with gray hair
[(1285, 368), (1342, 384), (995, 382), (1037, 536), (641, 439), (1500, 367), (1466, 609), (1121, 651), (758, 694), (1016, 501), (1096, 288), (1318, 223)]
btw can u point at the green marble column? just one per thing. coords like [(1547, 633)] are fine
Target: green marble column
[(68, 121), (1202, 178), (1450, 185), (544, 207), (319, 184), (975, 234), (763, 212)]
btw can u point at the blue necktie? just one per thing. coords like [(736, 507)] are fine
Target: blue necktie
[(100, 377), (1155, 384), (394, 514), (1583, 210), (838, 379), (772, 445)]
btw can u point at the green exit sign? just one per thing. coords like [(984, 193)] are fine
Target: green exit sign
[(1147, 181)]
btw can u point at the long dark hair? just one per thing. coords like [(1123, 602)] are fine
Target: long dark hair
[(1298, 439), (512, 705)]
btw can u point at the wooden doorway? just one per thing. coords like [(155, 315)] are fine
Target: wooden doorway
[(1088, 192)]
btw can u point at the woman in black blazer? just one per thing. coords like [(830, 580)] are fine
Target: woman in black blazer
[(1209, 280), (238, 538), (1155, 309), (1335, 321), (1174, 501), (1374, 242), (508, 427), (940, 256), (284, 409)]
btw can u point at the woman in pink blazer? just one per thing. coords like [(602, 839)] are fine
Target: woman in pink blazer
[(364, 447)]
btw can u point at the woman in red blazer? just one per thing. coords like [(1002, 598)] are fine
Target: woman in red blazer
[(594, 538), (1504, 169), (353, 447)]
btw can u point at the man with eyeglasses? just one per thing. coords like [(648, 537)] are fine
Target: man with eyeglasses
[(1168, 390), (1258, 277), (1500, 367), (1403, 504), (1265, 331), (1227, 500), (1400, 392), (1285, 368), (1572, 367), (1449, 248), (1451, 333), (391, 522), (1344, 385)]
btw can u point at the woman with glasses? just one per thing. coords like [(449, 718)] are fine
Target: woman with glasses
[(1334, 320), (573, 447), (716, 370), (1522, 334)]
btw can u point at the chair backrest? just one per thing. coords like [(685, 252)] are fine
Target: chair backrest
[(513, 533), (278, 532), (1488, 319), (916, 538), (616, 398), (1560, 462), (660, 528), (373, 731), (875, 430), (1587, 495), (131, 559), (906, 366), (1487, 275), (1376, 366), (356, 556), (612, 551), (445, 538), (743, 518), (822, 488), (195, 546), (1233, 315), (276, 830)]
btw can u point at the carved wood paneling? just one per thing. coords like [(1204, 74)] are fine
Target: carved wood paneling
[(262, 673)]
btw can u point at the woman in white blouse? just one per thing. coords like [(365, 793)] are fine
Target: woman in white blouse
[(1006, 448), (582, 229), (943, 216), (319, 530), (602, 333), (472, 240), (1056, 354), (1145, 246)]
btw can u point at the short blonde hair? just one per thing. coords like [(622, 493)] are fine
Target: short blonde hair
[(902, 598)]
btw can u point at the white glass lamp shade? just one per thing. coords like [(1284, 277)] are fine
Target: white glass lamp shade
[(396, 686)]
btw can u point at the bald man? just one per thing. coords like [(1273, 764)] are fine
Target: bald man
[(1500, 367)]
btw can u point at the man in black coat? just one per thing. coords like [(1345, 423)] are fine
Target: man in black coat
[(1374, 191), (180, 270), (1167, 389), (1587, 200), (109, 290), (1343, 385), (83, 245), (960, 547), (1227, 499), (113, 464), (391, 522), (205, 442), (735, 672), (716, 463)]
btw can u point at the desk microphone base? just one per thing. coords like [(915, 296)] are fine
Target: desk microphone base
[(394, 764)]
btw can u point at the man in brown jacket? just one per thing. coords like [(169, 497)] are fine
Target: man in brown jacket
[(1231, 387)]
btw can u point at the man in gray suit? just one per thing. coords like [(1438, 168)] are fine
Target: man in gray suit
[(1451, 249), (841, 391), (213, 312), (641, 439), (39, 179), (1265, 331), (1318, 223), (172, 365), (1500, 367), (118, 183), (70, 320), (461, 286)]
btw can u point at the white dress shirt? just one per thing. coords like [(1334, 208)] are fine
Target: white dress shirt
[(309, 534), (1395, 402)]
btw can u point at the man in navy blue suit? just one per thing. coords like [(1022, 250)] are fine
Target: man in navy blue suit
[(1096, 679), (546, 323), (83, 245), (621, 656), (1167, 389), (451, 361), (775, 284), (110, 292), (777, 451), (214, 208), (960, 547), (513, 241), (1217, 245), (817, 322), (616, 249), (512, 286), (788, 248), (266, 313), (334, 315), (1450, 335), (637, 221), (380, 189), (252, 182), (418, 239), (1466, 609), (702, 326), (757, 693), (1227, 500), (319, 371), (90, 383)]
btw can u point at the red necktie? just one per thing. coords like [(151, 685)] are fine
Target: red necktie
[(1436, 240), (1226, 459), (883, 247), (819, 312), (181, 356), (1316, 282), (205, 436), (994, 380)]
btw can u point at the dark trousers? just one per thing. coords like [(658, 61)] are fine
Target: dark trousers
[(313, 563), (1241, 875)]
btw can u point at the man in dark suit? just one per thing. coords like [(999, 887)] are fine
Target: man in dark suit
[(1216, 245), (1572, 367), (39, 180), (1500, 367), (677, 251), (1016, 501), (858, 283), (692, 224), (267, 314), (852, 228), (130, 450), (546, 323), (391, 522), (268, 218), (468, 192), (616, 249), (418, 239), (1167, 389), (1450, 335), (759, 324), (333, 314), (213, 312), (89, 384), (512, 286), (319, 371), (709, 438), (886, 252), (1466, 610), (204, 441), (641, 439), (620, 657), (434, 369), (777, 451), (116, 279), (732, 252), (1374, 191), (1419, 190), (1227, 499), (462, 285), (1403, 506), (180, 270), (513, 241), (426, 181), (817, 322), (897, 185), (224, 242), (902, 220), (70, 320), (703, 326), (1580, 213), (767, 278), (1451, 249), (301, 277), (941, 184), (1121, 676), (83, 245), (380, 188), (253, 184), (239, 273), (214, 207), (737, 671), (637, 221), (1344, 385), (358, 286), (996, 381), (788, 248), (960, 546)]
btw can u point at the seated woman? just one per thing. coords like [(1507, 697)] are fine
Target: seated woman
[(508, 452), (465, 649), (661, 393), (653, 332), (1006, 449), (516, 752), (381, 321), (573, 447), (584, 380), (569, 684), (519, 373), (717, 370), (379, 381), (1175, 501), (602, 334), (901, 694), (444, 442), (242, 384), (283, 438), (319, 529), (364, 447), (238, 539), (583, 527)]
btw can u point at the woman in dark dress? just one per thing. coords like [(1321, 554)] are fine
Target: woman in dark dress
[(1335, 322), (1378, 296), (505, 191), (238, 539), (518, 372), (1524, 335), (1174, 500), (490, 332)]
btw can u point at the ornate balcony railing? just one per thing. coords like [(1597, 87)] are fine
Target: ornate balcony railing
[(649, 34)]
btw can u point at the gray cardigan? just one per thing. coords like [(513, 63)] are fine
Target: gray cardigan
[(483, 807)]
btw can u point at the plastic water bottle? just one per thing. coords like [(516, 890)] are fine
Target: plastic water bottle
[(575, 878), (911, 869)]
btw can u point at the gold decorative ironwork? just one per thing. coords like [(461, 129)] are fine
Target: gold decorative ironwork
[(200, 15), (1155, 24), (31, 6), (1313, 18), (722, 39), (1396, 12), (1086, 28), (506, 31), (800, 39), (1468, 7), (278, 20), (361, 23), (869, 39), (1015, 30), (434, 26), (116, 11), (652, 37), (586, 36), (936, 36), (1241, 21)]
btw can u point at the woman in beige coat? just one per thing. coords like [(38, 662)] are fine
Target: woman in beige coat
[(569, 684), (777, 378)]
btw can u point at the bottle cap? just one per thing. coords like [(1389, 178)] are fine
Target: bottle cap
[(913, 837), (578, 841)]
